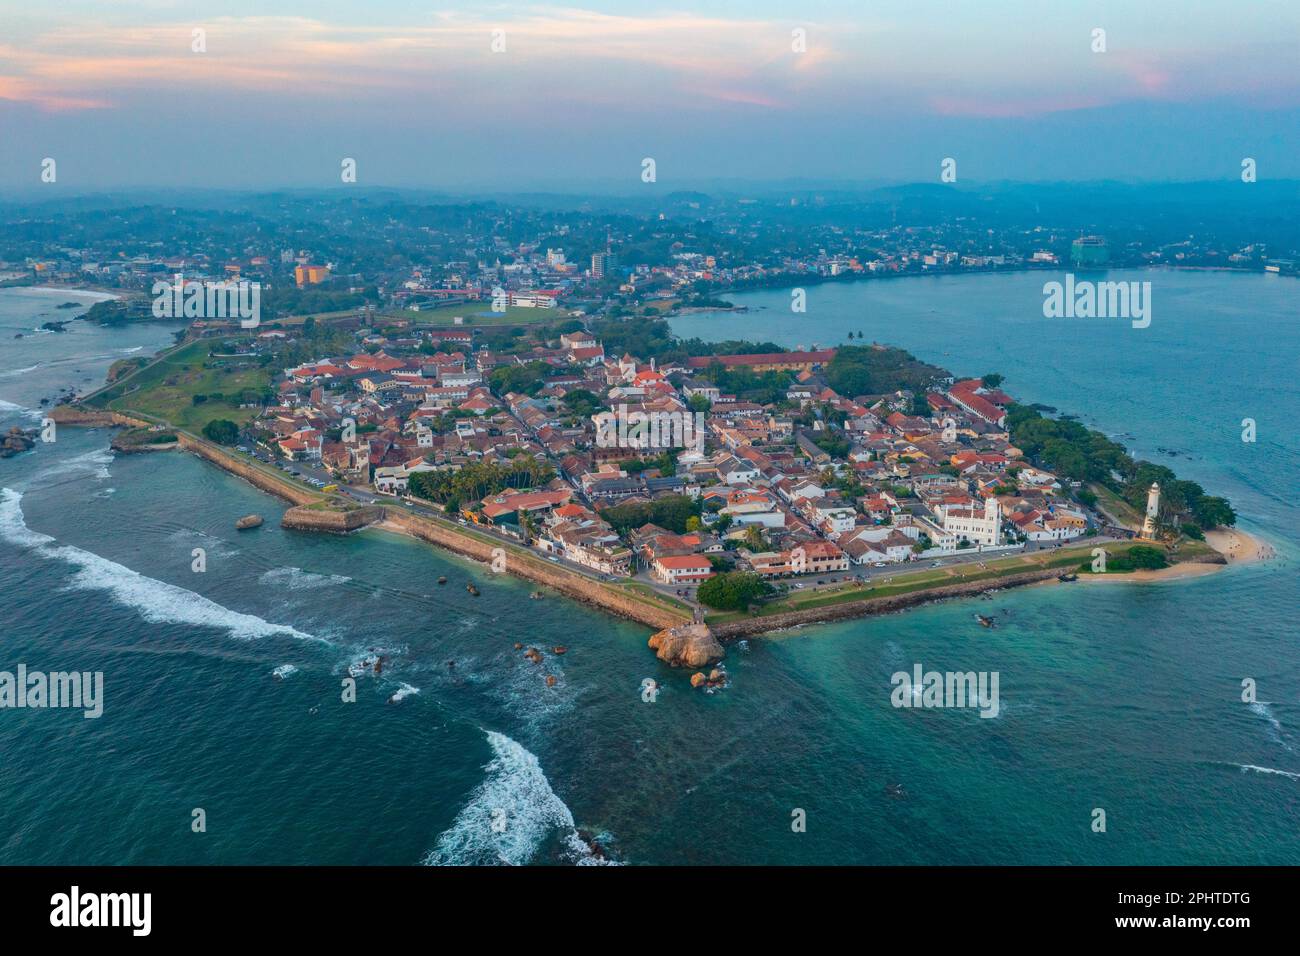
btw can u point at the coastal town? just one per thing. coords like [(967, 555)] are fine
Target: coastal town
[(670, 473), (518, 377)]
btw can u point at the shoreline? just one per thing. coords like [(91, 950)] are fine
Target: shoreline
[(810, 280), (598, 594), (1239, 547)]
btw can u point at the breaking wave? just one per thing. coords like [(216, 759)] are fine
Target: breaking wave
[(509, 816), (1282, 773), (156, 601), (1263, 710), (296, 579), (9, 408)]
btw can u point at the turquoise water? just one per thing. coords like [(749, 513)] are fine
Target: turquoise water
[(1119, 697)]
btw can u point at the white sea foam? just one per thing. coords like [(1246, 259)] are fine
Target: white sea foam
[(284, 671), (8, 409), (516, 797), (1275, 726), (156, 601), (95, 462), (1284, 773), (403, 691), (15, 372), (296, 579)]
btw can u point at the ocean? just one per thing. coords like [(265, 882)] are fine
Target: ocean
[(222, 688)]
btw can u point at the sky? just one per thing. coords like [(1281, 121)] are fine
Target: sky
[(578, 96)]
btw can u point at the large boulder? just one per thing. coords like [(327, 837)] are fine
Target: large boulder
[(686, 645)]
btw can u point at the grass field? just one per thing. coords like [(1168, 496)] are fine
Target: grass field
[(166, 389), (1129, 516)]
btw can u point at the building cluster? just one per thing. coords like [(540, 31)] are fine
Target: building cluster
[(615, 438)]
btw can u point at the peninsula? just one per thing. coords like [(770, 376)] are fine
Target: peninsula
[(746, 489)]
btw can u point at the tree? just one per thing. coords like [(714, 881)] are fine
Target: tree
[(222, 431), (991, 380), (733, 590)]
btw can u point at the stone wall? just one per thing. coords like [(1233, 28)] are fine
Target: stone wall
[(253, 475), (877, 605), (525, 565), (331, 520)]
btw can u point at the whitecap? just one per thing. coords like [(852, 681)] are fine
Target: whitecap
[(284, 671), (1275, 726), (403, 691), (509, 815), (15, 372), (95, 462), (1284, 773), (156, 601), (296, 579), (7, 408)]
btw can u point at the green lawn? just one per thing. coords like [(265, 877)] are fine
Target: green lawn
[(166, 389), (907, 582)]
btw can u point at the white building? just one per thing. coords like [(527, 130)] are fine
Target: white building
[(978, 526)]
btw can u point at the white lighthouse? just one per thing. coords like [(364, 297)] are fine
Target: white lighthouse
[(1153, 509)]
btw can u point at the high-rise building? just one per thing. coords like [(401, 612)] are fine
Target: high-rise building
[(1089, 252)]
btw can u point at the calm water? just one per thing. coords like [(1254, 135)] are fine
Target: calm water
[(1120, 697)]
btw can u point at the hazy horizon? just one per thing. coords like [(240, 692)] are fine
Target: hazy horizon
[(577, 98)]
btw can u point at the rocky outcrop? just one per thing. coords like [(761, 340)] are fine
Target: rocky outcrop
[(248, 521), (331, 520), (17, 441), (686, 645)]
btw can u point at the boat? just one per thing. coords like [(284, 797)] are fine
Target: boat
[(442, 580), (985, 621), (471, 589), (536, 595)]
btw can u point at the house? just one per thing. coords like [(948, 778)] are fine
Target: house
[(817, 557), (832, 515), (509, 506), (735, 471), (687, 569)]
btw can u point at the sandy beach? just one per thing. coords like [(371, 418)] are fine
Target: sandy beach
[(1238, 547), (1175, 572)]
